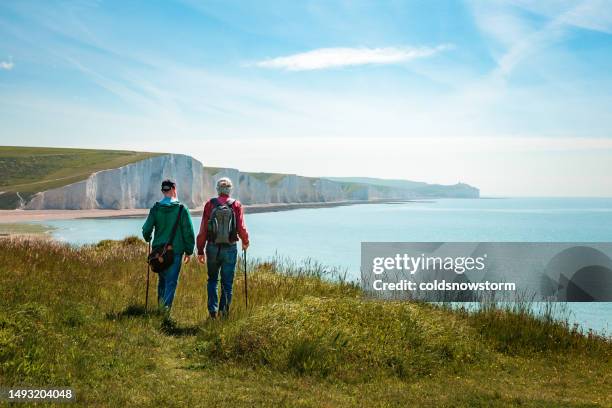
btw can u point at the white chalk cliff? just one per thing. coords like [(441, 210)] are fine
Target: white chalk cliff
[(137, 185)]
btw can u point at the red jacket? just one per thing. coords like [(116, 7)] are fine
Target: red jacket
[(240, 226)]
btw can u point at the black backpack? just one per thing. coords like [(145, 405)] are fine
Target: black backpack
[(222, 222)]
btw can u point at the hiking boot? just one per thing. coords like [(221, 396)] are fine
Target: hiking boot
[(213, 315)]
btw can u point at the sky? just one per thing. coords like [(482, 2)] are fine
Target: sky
[(513, 97)]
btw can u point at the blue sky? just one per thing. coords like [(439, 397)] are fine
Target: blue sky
[(511, 96)]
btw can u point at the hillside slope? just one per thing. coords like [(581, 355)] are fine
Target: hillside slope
[(28, 170), (135, 185), (419, 188), (74, 317)]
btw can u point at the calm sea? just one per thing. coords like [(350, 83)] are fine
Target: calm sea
[(332, 236)]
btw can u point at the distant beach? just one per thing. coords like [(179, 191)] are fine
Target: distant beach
[(24, 216)]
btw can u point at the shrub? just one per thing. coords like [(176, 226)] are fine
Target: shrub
[(349, 339)]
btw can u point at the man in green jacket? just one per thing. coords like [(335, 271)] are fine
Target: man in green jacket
[(161, 218)]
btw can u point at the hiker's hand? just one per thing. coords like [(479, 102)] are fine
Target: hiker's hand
[(187, 259), (202, 259), (245, 246)]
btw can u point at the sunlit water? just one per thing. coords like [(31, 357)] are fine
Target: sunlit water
[(332, 236)]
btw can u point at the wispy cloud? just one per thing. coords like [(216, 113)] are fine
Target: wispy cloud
[(7, 65), (325, 58), (511, 25), (594, 15)]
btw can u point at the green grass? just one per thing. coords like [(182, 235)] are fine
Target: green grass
[(75, 317), (24, 228), (213, 170), (28, 170), (272, 179), (349, 188)]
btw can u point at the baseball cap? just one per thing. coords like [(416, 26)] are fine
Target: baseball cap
[(167, 185)]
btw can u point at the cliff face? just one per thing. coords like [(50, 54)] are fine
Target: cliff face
[(137, 185), (288, 189)]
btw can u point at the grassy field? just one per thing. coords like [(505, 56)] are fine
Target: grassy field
[(23, 229), (28, 170), (75, 317)]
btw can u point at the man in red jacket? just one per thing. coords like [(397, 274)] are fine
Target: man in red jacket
[(222, 225)]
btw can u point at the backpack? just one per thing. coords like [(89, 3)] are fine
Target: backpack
[(222, 222)]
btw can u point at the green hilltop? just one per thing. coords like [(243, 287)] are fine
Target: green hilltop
[(419, 188), (28, 170)]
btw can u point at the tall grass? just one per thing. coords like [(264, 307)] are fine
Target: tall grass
[(50, 287), (76, 316), (526, 327), (345, 338)]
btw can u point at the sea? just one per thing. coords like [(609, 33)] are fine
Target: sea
[(332, 236)]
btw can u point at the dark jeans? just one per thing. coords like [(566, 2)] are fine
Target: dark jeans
[(168, 279), (220, 259)]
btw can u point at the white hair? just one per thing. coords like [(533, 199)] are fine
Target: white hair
[(224, 185)]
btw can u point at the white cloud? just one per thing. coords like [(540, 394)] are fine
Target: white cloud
[(324, 58), (508, 24), (7, 65), (595, 15)]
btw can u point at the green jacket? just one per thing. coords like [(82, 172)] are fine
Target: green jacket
[(161, 219)]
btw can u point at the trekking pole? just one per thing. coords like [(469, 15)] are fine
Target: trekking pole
[(148, 273), (246, 290)]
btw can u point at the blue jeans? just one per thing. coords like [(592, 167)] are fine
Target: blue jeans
[(168, 279), (220, 259)]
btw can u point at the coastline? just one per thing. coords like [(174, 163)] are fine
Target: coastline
[(25, 216)]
